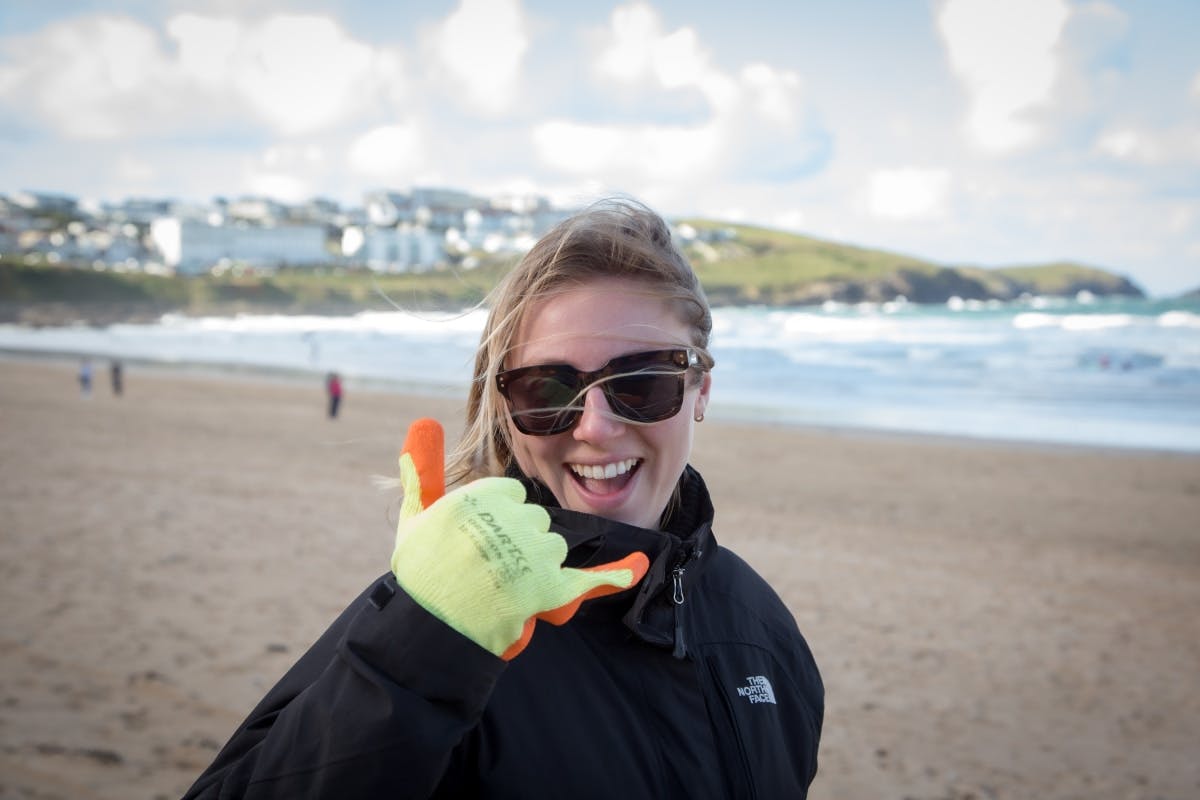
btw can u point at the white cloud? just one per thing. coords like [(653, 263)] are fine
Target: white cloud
[(271, 68), (789, 220), (1122, 144), (909, 193), (89, 78), (288, 172), (773, 93), (206, 47), (111, 77), (1179, 145), (1182, 218), (637, 51), (629, 54), (388, 153), (274, 69), (481, 46), (131, 170), (679, 60), (628, 152), (754, 117), (1005, 52), (279, 186)]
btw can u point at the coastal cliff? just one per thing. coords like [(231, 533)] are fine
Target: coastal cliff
[(938, 286), (738, 265), (741, 264)]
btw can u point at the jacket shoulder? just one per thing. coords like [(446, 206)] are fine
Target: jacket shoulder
[(740, 606), (739, 584)]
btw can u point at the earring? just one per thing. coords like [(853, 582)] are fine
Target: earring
[(699, 418)]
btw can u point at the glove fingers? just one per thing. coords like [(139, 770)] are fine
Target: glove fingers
[(585, 584), (506, 488)]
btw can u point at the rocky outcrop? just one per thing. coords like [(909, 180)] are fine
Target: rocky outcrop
[(918, 286)]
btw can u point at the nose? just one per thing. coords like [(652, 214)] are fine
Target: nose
[(597, 421)]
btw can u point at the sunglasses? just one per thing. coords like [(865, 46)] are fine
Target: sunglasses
[(641, 387)]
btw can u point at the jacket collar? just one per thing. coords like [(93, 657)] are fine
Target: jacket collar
[(678, 552)]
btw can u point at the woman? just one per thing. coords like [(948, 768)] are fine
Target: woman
[(333, 390), (682, 675)]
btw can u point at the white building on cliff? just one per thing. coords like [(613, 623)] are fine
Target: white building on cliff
[(194, 246)]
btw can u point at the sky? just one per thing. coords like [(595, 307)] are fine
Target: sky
[(988, 132)]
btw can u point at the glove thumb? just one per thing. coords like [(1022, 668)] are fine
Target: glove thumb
[(578, 585), (597, 581), (422, 466)]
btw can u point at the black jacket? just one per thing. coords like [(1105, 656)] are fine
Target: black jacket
[(695, 684)]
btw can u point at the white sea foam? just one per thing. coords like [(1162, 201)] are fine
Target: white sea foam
[(1030, 320), (1095, 322), (1117, 372), (1179, 319), (425, 323)]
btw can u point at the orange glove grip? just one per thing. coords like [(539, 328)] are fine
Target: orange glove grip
[(636, 562), (425, 445)]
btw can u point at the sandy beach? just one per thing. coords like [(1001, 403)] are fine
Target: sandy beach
[(991, 620)]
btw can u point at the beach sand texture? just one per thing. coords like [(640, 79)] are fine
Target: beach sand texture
[(992, 621)]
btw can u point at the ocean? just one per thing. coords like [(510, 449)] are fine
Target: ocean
[(1103, 372)]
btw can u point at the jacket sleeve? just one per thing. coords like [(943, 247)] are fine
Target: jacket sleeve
[(374, 709)]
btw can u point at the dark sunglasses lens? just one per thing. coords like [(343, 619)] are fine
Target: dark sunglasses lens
[(643, 387), (645, 398), (540, 404)]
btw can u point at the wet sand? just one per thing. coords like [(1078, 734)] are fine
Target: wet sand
[(992, 620)]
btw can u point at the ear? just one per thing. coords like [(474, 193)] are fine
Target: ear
[(702, 398)]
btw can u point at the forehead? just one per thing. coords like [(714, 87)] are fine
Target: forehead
[(587, 325)]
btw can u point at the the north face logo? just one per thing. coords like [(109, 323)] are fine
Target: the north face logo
[(757, 690)]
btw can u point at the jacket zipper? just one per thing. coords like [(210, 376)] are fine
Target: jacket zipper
[(747, 774), (677, 598)]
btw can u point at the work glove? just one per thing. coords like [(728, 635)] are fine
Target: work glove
[(484, 561)]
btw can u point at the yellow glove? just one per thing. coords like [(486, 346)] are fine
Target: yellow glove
[(483, 560)]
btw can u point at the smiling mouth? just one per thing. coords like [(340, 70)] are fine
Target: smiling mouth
[(605, 478)]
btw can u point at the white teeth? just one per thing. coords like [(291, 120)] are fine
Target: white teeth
[(603, 472)]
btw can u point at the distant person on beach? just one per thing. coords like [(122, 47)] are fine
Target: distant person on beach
[(333, 388), (85, 377), (116, 374), (670, 670)]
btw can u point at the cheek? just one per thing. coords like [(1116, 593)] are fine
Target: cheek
[(673, 442), (686, 436), (516, 442), (681, 443), (521, 454), (529, 455)]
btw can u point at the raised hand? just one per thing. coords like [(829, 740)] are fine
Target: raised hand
[(483, 560)]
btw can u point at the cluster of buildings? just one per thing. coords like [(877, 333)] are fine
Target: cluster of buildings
[(414, 231)]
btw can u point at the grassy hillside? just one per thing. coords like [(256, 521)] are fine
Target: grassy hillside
[(764, 257), (52, 294), (762, 265), (738, 264)]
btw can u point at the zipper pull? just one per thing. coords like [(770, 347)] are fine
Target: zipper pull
[(677, 579)]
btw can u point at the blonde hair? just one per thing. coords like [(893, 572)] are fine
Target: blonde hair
[(615, 238)]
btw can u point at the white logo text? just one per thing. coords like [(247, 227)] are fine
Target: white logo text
[(757, 690)]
